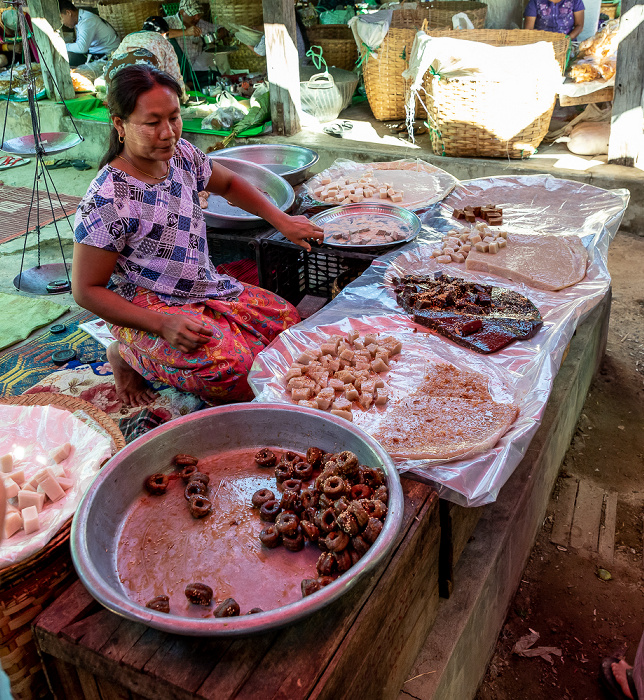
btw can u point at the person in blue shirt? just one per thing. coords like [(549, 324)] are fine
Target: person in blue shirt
[(561, 16)]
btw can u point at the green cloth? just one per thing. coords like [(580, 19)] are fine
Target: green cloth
[(92, 108), (21, 315)]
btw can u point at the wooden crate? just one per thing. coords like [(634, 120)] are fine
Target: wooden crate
[(604, 95), (361, 646)]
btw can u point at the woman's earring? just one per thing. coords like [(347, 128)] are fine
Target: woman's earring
[(121, 139)]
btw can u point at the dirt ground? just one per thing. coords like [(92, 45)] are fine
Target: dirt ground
[(561, 595)]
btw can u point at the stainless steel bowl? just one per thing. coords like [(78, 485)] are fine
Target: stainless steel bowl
[(98, 521), (290, 162), (220, 214), (52, 142)]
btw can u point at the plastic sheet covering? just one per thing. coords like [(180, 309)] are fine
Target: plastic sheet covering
[(422, 184), (29, 433), (537, 203)]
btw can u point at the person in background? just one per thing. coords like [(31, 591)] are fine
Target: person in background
[(150, 45), (141, 226), (186, 29), (95, 38), (561, 16)]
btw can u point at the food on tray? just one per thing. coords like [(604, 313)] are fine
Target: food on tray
[(342, 510), (80, 82), (457, 245), (597, 56), (478, 316), (543, 262), (270, 503), (342, 370), (26, 499), (490, 213), (355, 188), (450, 415), (365, 229)]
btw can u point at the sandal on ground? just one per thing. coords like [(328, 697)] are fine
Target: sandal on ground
[(610, 685), (338, 129)]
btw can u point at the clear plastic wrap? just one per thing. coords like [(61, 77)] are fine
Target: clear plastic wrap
[(422, 184), (528, 367), (30, 432)]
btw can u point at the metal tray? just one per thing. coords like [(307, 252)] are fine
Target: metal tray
[(290, 162), (220, 214), (98, 522), (389, 210), (52, 142)]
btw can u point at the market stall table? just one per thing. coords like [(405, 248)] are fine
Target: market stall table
[(360, 646)]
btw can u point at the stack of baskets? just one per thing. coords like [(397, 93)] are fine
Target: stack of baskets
[(460, 110), (126, 16), (338, 45), (29, 586), (385, 87), (244, 58)]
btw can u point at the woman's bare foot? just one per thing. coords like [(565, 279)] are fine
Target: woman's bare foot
[(619, 672), (130, 385)]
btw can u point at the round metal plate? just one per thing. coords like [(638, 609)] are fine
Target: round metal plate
[(220, 214), (36, 279), (99, 519), (52, 142), (396, 214)]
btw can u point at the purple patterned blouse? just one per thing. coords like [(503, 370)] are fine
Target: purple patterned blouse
[(554, 16), (159, 231)]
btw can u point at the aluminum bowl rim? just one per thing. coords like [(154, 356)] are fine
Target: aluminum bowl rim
[(405, 215), (227, 218), (243, 625), (286, 146)]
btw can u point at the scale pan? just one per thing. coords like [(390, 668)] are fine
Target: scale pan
[(52, 142)]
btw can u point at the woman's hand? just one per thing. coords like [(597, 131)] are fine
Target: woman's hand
[(183, 333), (298, 229)]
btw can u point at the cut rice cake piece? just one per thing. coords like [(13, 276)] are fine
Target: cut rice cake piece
[(30, 520), (397, 197), (350, 392), (30, 498), (382, 396), (303, 394), (65, 483), (12, 523), (52, 488), (6, 463), (308, 404), (326, 180), (61, 453), (366, 399), (11, 488), (18, 476), (341, 404), (379, 365), (293, 372), (325, 398), (347, 415), (336, 384)]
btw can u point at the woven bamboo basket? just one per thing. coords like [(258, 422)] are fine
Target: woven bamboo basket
[(385, 87), (338, 45), (459, 110), (246, 12), (438, 14), (29, 586), (127, 17), (246, 58)]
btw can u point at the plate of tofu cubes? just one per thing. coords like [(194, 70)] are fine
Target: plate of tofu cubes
[(367, 225)]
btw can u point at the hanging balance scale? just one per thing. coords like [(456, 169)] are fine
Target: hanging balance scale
[(51, 278)]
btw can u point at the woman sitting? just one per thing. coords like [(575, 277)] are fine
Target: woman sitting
[(150, 45), (562, 16), (140, 224)]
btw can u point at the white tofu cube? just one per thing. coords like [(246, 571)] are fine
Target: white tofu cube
[(18, 476), (30, 520), (28, 487), (52, 488), (12, 523), (61, 453), (6, 463), (26, 499), (11, 488)]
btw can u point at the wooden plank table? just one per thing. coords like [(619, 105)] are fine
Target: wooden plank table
[(360, 646)]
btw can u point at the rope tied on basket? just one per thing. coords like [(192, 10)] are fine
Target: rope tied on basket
[(317, 58), (365, 53)]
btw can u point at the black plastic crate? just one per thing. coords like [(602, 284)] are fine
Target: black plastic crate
[(291, 272), (227, 246)]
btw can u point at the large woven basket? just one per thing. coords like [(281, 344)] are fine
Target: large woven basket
[(338, 45), (459, 109), (246, 59), (385, 87), (29, 586), (127, 17), (246, 12), (438, 14)]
